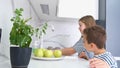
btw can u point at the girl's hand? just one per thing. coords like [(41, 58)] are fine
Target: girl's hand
[(98, 63)]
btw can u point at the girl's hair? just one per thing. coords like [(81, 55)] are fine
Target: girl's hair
[(88, 21)]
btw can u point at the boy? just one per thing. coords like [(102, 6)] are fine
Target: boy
[(94, 39)]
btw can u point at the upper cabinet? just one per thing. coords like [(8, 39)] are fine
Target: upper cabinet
[(77, 8)]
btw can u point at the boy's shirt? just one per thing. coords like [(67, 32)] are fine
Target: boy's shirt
[(107, 57)]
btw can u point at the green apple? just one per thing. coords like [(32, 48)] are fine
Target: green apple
[(43, 49), (38, 52), (48, 53), (57, 53)]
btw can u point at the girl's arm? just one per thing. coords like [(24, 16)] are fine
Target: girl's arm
[(68, 51)]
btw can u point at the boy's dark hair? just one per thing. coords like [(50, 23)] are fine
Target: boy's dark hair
[(96, 35)]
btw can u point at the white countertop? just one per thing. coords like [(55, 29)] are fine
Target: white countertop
[(4, 62), (66, 62)]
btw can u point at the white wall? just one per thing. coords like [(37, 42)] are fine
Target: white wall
[(23, 4), (5, 24)]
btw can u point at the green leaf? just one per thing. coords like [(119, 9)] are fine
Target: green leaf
[(21, 9), (43, 30), (25, 41)]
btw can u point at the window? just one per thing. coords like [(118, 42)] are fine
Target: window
[(77, 8)]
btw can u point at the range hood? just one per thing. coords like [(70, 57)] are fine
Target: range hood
[(44, 9)]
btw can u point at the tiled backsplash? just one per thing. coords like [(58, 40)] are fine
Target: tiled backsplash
[(65, 34)]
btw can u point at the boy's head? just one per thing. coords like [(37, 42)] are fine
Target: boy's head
[(86, 21), (94, 38)]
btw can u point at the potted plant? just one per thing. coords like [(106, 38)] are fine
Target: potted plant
[(21, 37)]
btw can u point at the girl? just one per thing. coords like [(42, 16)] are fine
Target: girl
[(84, 22)]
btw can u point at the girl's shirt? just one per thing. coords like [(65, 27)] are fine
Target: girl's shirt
[(80, 48)]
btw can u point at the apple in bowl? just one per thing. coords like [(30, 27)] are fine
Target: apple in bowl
[(57, 53), (48, 53), (45, 53), (38, 52)]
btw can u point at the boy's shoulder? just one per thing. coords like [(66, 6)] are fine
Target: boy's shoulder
[(104, 54), (107, 57)]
